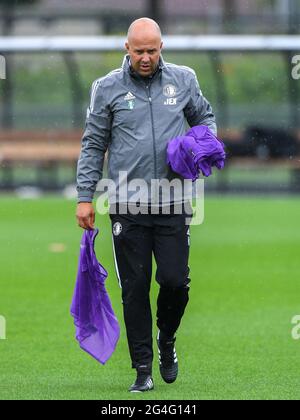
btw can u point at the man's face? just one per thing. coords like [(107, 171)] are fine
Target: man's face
[(144, 53)]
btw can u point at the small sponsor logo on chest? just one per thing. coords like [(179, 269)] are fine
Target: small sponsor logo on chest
[(130, 98)]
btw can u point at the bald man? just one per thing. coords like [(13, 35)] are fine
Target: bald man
[(134, 111)]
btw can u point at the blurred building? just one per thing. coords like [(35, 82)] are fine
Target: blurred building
[(44, 97), (93, 17)]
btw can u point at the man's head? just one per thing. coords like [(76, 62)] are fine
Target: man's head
[(144, 46)]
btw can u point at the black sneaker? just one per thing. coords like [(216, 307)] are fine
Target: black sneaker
[(168, 363), (143, 383)]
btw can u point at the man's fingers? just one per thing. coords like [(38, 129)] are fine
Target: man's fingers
[(86, 222), (85, 216), (90, 223), (83, 222)]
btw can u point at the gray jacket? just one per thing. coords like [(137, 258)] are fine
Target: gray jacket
[(133, 118)]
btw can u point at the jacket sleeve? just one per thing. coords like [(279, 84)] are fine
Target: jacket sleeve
[(94, 144), (198, 110)]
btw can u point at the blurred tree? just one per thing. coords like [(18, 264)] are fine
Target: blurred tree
[(271, 5), (155, 11), (229, 14), (8, 7), (293, 17)]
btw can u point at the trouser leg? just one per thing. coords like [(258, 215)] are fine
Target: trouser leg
[(171, 250), (133, 257)]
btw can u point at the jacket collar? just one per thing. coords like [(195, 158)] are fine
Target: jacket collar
[(128, 68)]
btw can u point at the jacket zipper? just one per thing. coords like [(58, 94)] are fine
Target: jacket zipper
[(153, 132)]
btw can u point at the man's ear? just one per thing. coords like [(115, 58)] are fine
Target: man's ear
[(127, 46), (161, 46)]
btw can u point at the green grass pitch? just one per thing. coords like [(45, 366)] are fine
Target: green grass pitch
[(234, 342)]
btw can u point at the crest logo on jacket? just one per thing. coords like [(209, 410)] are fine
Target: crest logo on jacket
[(130, 100), (170, 91), (117, 229)]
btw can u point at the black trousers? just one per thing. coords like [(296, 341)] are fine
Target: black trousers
[(135, 239)]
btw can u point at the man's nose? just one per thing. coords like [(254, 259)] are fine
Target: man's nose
[(145, 58)]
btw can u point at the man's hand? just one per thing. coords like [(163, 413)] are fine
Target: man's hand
[(85, 215)]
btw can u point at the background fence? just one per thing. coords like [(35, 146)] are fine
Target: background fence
[(247, 78)]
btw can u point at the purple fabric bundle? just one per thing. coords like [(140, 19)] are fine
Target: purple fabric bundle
[(97, 328), (198, 151)]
